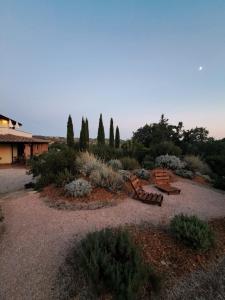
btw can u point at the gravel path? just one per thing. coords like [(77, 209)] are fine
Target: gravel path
[(37, 237), (13, 179)]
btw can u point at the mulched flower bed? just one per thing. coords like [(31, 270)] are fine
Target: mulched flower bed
[(171, 258), (99, 197)]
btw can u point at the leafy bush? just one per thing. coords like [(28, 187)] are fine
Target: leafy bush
[(219, 183), (142, 174), (192, 232), (194, 163), (169, 161), (164, 148), (63, 178), (115, 164), (113, 264), (129, 163), (78, 188), (217, 163), (148, 162), (47, 166), (185, 173), (106, 177), (105, 152)]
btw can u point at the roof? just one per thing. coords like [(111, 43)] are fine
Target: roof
[(10, 138), (13, 121)]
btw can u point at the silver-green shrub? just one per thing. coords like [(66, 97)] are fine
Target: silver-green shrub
[(106, 177), (142, 174), (169, 161), (115, 164), (185, 173), (78, 188)]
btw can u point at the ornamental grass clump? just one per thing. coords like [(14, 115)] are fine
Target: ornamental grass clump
[(106, 177), (87, 162), (129, 163), (78, 188), (113, 265), (192, 232)]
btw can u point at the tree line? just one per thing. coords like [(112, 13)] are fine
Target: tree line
[(114, 140)]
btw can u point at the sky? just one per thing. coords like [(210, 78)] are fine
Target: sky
[(130, 60)]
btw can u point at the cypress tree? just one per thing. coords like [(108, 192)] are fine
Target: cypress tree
[(82, 141), (87, 133), (101, 132), (111, 134), (117, 137), (70, 133)]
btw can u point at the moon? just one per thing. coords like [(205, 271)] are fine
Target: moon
[(200, 68)]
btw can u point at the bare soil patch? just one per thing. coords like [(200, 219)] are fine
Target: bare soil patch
[(171, 258), (99, 197)]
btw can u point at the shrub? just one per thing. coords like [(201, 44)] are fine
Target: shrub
[(105, 152), (148, 162), (47, 166), (129, 163), (125, 174), (63, 178), (113, 264), (78, 188), (169, 161), (192, 232), (194, 163), (142, 174), (87, 162), (185, 173), (115, 164), (219, 183), (106, 177), (164, 148)]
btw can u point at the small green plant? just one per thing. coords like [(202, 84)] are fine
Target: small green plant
[(192, 232), (115, 164), (129, 163), (142, 174), (78, 188), (113, 264)]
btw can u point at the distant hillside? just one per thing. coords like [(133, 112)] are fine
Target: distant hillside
[(61, 139)]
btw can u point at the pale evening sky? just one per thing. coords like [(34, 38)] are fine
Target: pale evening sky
[(131, 60)]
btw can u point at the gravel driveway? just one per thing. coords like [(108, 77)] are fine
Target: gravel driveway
[(37, 237), (13, 179)]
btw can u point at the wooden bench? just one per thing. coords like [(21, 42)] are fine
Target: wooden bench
[(143, 196), (162, 182)]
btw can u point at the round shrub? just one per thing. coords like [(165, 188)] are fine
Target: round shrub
[(185, 173), (115, 164), (113, 264), (142, 174), (129, 163), (169, 161), (78, 188), (192, 232)]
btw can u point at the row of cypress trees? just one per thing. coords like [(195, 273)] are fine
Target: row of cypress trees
[(114, 142)]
